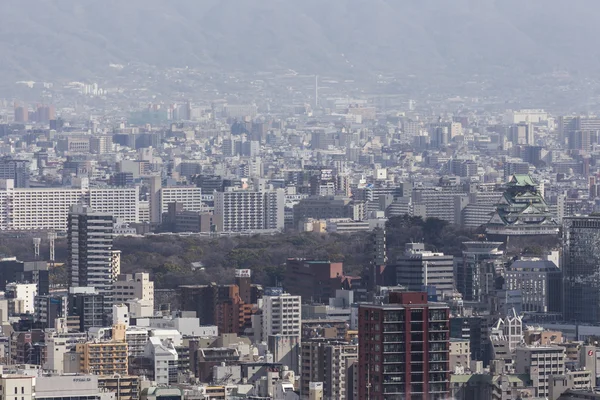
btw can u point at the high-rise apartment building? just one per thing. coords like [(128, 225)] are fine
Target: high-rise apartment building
[(569, 124), (404, 348), (48, 208), (442, 203), (244, 210), (90, 241), (281, 327), (21, 297), (522, 134), (581, 269), (189, 196), (103, 358), (121, 203), (281, 314), (328, 361)]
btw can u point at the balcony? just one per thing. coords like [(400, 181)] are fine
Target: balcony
[(389, 379), (393, 369), (438, 347), (438, 357), (393, 327), (393, 338), (438, 337), (394, 348), (438, 327), (393, 359), (394, 389)]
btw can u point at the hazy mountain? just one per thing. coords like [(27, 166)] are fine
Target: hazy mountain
[(47, 39)]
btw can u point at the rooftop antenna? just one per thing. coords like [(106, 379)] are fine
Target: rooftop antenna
[(36, 248), (316, 91)]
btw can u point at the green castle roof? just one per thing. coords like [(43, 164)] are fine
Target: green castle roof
[(521, 180)]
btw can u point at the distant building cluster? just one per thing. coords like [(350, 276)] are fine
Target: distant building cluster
[(513, 312)]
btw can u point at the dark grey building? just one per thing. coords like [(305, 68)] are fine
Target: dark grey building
[(540, 283), (89, 307), (581, 269), (476, 270), (50, 307), (12, 270), (18, 170), (418, 268), (90, 243)]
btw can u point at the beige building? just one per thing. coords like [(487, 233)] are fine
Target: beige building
[(105, 358), (125, 387), (134, 287), (315, 391), (18, 387), (540, 336), (540, 363), (460, 355), (572, 380)]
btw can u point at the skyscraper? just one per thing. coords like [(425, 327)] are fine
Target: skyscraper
[(581, 269), (90, 241), (404, 348)]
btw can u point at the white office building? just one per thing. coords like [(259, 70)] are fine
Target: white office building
[(165, 357), (22, 295), (120, 315)]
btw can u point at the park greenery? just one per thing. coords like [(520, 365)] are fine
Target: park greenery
[(173, 260)]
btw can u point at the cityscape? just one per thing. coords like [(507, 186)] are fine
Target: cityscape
[(205, 200)]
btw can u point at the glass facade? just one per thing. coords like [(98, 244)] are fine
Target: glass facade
[(581, 269)]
